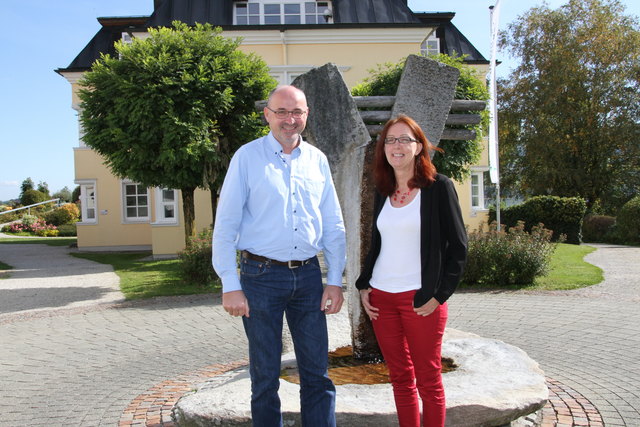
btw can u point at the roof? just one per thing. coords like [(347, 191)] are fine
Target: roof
[(346, 13)]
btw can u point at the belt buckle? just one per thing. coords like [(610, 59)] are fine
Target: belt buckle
[(291, 266)]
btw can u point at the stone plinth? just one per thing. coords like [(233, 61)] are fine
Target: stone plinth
[(494, 384)]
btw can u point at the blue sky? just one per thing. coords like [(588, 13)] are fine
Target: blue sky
[(38, 128)]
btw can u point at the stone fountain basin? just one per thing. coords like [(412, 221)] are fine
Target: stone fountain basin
[(495, 383)]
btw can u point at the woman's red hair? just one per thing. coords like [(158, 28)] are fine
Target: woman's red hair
[(425, 171)]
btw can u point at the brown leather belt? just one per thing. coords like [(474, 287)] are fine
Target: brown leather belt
[(290, 264)]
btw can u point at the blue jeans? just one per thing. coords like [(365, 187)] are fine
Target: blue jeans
[(273, 291)]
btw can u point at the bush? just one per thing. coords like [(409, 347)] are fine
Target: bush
[(31, 197), (28, 220), (598, 228), (628, 221), (195, 266), (562, 215), (32, 224), (507, 258), (10, 216), (67, 230), (65, 214)]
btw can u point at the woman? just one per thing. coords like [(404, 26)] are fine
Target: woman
[(417, 255)]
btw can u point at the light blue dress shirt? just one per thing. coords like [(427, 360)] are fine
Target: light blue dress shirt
[(277, 209)]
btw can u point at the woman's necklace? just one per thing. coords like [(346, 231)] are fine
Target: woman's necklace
[(402, 196)]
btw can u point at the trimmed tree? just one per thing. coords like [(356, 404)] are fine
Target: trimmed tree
[(170, 110)]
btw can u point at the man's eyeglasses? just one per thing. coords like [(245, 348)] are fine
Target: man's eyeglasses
[(390, 140), (283, 114)]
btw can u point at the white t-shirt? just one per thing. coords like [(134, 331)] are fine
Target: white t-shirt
[(397, 267)]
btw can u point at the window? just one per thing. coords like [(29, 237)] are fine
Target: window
[(479, 186), (247, 13), (270, 12), (136, 202), (430, 45), (317, 12), (166, 206), (88, 203)]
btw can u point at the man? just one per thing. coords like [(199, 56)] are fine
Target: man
[(279, 207)]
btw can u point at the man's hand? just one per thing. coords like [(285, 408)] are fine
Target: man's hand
[(332, 299), (235, 303)]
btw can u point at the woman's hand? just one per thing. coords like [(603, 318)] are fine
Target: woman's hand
[(427, 308), (371, 311)]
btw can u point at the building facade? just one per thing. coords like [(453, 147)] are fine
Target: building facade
[(292, 37)]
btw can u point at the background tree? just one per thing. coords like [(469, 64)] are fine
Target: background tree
[(43, 187), (75, 194), (64, 194), (570, 112), (26, 185), (458, 156), (170, 110), (31, 197)]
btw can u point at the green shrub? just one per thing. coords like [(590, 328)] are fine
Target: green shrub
[(598, 228), (562, 215), (628, 221), (31, 197), (507, 258), (67, 230), (195, 266), (28, 220), (10, 216), (65, 214)]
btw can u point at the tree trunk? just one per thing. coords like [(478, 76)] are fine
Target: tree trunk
[(188, 211)]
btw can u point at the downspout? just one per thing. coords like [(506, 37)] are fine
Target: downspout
[(285, 58)]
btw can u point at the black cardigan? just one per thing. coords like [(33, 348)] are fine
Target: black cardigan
[(443, 242)]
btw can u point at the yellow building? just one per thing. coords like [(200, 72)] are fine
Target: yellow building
[(292, 37)]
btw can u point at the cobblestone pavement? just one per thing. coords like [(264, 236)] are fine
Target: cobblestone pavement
[(84, 366)]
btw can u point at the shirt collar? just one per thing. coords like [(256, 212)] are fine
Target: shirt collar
[(274, 145)]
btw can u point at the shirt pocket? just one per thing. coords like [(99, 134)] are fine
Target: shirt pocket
[(314, 187)]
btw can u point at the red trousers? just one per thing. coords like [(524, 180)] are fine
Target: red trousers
[(411, 346)]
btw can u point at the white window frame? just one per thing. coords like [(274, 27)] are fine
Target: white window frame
[(286, 74), (126, 219), (160, 204), (477, 173), (319, 13), (88, 202), (424, 46)]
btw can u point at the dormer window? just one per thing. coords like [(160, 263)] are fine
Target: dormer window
[(270, 12), (430, 45)]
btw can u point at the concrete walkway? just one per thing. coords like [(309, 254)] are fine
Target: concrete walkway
[(78, 363), (46, 278)]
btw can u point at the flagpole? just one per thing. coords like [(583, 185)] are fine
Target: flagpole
[(494, 163)]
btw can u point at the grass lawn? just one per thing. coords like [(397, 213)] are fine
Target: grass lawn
[(3, 266), (567, 270), (141, 277)]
